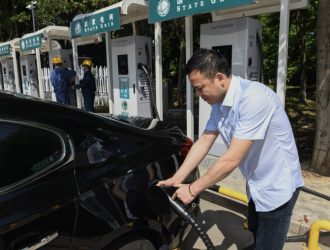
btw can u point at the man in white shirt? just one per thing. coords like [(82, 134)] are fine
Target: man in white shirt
[(256, 130)]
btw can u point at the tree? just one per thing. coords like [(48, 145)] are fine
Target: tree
[(301, 32), (180, 26), (321, 151)]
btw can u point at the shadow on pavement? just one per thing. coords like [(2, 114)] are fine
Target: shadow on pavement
[(225, 229)]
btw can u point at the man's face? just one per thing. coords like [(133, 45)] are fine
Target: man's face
[(211, 92)]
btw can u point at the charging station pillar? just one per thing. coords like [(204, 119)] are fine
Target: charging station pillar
[(283, 50), (51, 90), (109, 71), (76, 68), (41, 90), (159, 69), (190, 92), (17, 83)]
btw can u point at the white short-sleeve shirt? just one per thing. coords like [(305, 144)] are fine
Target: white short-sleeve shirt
[(252, 111)]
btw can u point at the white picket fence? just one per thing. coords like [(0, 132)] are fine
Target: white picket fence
[(101, 82)]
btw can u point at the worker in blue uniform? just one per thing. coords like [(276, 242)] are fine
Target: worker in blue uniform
[(59, 80), (87, 85)]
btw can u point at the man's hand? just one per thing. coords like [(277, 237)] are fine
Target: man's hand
[(118, 182), (72, 87), (183, 193), (69, 68), (169, 182)]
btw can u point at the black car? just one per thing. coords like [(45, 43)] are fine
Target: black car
[(74, 179)]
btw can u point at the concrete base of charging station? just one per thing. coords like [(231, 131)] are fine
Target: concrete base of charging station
[(236, 181)]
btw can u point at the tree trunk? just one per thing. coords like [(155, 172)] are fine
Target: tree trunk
[(14, 5), (275, 71), (182, 59), (141, 28), (301, 32), (321, 151)]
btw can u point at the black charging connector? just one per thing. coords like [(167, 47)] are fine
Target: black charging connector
[(146, 69), (140, 66)]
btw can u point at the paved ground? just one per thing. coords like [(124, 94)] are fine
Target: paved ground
[(225, 228), (313, 207)]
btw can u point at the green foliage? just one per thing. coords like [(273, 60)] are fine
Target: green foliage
[(270, 41), (47, 12)]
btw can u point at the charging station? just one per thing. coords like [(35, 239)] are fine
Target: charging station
[(66, 56), (236, 40), (8, 75), (29, 75), (130, 83)]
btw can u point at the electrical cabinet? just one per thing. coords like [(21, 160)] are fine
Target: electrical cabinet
[(29, 75), (131, 89), (8, 75)]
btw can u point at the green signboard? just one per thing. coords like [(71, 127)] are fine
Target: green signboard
[(161, 10), (32, 42), (96, 23), (4, 50)]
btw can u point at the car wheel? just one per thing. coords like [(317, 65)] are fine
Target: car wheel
[(130, 242)]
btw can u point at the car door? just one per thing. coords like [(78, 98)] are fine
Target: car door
[(38, 190)]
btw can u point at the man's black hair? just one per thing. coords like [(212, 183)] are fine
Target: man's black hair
[(208, 62), (56, 64)]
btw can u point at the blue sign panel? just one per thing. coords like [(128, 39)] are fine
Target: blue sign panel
[(124, 87), (31, 42), (4, 50), (162, 10), (25, 84), (96, 23)]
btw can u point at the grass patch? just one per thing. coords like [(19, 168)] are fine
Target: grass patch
[(303, 121), (102, 109)]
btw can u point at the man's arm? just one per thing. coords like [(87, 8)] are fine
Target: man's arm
[(68, 73), (194, 157), (83, 83), (220, 170), (224, 165)]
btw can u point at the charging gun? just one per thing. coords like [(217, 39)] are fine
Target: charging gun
[(159, 202)]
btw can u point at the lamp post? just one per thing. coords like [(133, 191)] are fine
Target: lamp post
[(31, 7)]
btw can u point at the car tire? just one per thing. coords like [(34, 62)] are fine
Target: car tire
[(130, 242)]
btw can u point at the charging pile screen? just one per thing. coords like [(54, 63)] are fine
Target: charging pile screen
[(122, 65), (225, 51), (24, 70)]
